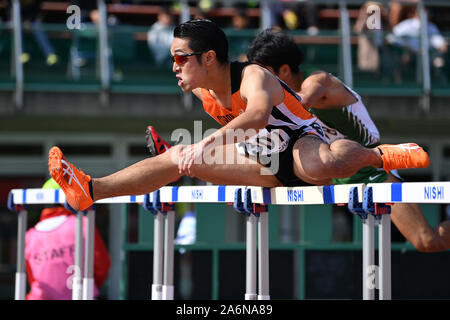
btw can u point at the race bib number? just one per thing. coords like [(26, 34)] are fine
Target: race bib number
[(265, 143), (329, 133)]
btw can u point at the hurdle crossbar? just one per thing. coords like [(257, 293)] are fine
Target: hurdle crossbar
[(382, 193), (411, 192), (208, 194)]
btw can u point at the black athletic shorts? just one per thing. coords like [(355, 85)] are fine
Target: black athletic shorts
[(285, 173), (282, 163)]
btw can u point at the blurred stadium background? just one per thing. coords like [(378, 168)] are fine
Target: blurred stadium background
[(96, 97)]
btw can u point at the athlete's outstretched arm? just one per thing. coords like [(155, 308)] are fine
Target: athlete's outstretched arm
[(322, 90), (260, 90), (314, 89)]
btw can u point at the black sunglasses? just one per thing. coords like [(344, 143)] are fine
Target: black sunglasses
[(181, 59)]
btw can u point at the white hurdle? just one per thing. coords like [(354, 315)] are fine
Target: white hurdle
[(163, 247), (21, 276), (258, 196), (257, 245), (377, 195), (88, 279), (83, 284), (160, 204), (369, 213), (253, 202), (77, 285)]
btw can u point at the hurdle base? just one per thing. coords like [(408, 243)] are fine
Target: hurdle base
[(21, 278), (263, 297), (251, 296), (167, 292), (77, 289), (157, 291), (88, 289)]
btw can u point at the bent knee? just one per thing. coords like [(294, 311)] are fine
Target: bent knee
[(317, 162), (319, 170), (317, 173), (312, 175)]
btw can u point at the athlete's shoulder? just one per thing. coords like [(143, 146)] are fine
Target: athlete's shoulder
[(319, 76), (320, 73), (254, 73), (325, 78), (253, 68)]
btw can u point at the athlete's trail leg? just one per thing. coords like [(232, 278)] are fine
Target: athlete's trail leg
[(153, 173), (316, 161), (410, 221)]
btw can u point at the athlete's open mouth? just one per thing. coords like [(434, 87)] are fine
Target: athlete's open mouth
[(180, 80)]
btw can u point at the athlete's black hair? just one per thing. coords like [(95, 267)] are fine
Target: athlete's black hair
[(275, 48), (204, 35)]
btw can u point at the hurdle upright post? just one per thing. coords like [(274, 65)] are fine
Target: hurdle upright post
[(250, 246), (368, 235), (154, 206), (251, 260), (382, 213), (263, 255), (258, 213), (368, 241), (167, 288), (21, 276), (77, 285), (384, 256), (162, 287), (370, 276), (88, 280), (158, 257)]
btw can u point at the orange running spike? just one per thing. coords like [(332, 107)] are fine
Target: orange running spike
[(72, 181), (403, 156)]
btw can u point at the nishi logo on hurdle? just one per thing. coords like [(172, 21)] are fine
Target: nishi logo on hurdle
[(371, 202)]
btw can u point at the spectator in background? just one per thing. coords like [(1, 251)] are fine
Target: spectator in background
[(2, 26), (371, 38), (406, 34), (30, 11), (160, 36), (240, 19), (205, 5), (399, 11), (307, 12), (88, 8), (186, 233), (295, 15), (49, 251), (199, 14), (90, 13), (80, 53), (239, 43), (282, 16)]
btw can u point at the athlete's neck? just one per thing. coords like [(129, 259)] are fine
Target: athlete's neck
[(219, 82), (296, 81)]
